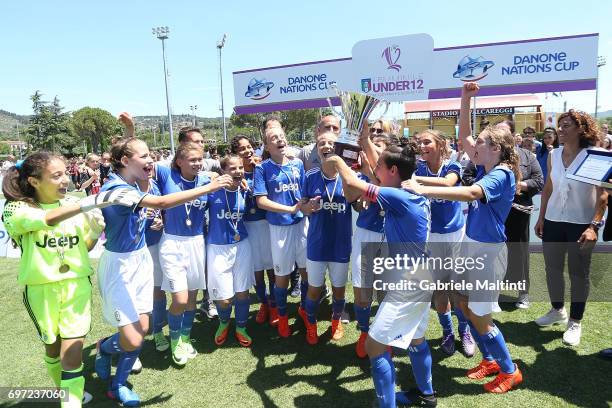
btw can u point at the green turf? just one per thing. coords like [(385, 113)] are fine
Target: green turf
[(288, 373)]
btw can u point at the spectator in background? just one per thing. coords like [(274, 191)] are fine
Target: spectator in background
[(518, 139), (529, 134), (105, 167), (73, 170), (570, 218), (550, 142), (380, 126), (90, 177), (517, 222)]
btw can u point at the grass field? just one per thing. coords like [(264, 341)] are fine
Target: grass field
[(288, 373)]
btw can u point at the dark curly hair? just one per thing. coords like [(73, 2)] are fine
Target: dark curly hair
[(235, 143), (589, 130)]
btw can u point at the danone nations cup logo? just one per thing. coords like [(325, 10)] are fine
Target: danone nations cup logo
[(258, 88), (391, 55), (472, 69)]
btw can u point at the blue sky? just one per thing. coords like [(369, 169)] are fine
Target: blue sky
[(103, 53)]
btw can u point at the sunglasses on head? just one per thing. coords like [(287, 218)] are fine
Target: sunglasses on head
[(377, 131)]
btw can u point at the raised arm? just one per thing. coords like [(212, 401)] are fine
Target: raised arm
[(469, 90), (126, 119)]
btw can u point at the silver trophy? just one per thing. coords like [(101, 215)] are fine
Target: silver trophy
[(356, 108)]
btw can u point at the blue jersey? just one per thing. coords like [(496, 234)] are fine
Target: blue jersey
[(152, 237), (487, 216), (125, 226), (225, 217), (446, 216), (186, 220), (330, 228), (370, 218), (283, 185), (253, 213), (406, 220)]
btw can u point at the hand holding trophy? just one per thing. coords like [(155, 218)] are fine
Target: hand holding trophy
[(356, 108)]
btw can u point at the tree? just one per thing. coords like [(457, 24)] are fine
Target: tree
[(49, 125), (96, 126)]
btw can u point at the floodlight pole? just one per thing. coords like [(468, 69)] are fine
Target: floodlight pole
[(601, 61), (220, 46), (162, 34)]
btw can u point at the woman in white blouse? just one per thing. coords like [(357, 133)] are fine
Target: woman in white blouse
[(569, 221)]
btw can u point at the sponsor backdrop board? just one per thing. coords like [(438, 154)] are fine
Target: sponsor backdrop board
[(525, 66)]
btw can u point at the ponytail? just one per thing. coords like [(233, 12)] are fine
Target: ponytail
[(404, 158), (502, 137), (16, 186)]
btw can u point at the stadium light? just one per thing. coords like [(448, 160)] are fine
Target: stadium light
[(162, 34)]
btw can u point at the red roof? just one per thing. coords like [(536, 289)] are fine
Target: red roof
[(481, 102)]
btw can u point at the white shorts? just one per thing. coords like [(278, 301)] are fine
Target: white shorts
[(338, 273), (182, 261), (259, 233), (397, 323), (362, 279), (444, 246), (495, 257), (157, 270), (125, 281), (288, 244), (230, 269)]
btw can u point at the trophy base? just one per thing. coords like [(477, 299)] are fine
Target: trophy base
[(348, 152)]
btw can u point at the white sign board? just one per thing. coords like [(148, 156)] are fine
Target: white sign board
[(515, 67), (395, 68)]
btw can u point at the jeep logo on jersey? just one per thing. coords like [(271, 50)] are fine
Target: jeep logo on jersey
[(199, 204), (229, 215), (333, 207), (65, 241), (282, 187)]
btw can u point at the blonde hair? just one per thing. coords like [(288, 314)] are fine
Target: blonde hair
[(501, 137), (441, 141), (183, 150)]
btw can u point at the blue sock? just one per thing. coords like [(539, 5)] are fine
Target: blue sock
[(159, 314), (281, 300), (111, 345), (362, 314), (497, 346), (463, 323), (312, 308), (124, 366), (187, 323), (420, 360), (242, 311), (271, 294), (174, 324), (389, 359), (382, 374), (337, 308), (303, 291), (446, 322), (260, 289), (486, 355), (225, 312)]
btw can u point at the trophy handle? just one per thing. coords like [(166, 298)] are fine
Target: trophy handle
[(334, 87), (387, 104)]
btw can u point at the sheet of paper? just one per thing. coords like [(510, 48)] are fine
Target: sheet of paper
[(595, 167)]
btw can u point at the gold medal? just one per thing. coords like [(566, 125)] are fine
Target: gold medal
[(237, 237), (188, 222), (381, 213), (64, 268)]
